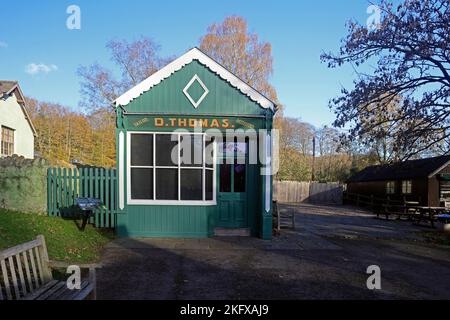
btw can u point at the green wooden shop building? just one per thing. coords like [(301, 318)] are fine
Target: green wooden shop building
[(186, 153)]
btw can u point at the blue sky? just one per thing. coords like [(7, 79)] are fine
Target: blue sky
[(37, 49)]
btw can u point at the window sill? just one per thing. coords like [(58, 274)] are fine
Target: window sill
[(171, 203)]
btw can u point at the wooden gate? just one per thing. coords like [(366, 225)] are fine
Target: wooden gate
[(64, 185)]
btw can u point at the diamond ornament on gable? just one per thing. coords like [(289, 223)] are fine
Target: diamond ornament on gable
[(195, 79)]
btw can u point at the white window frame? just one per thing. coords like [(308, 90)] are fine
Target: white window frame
[(13, 131), (388, 189), (405, 186), (178, 202)]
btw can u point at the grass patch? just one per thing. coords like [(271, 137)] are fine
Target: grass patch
[(437, 237), (64, 241)]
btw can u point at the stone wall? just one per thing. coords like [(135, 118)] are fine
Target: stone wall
[(23, 184)]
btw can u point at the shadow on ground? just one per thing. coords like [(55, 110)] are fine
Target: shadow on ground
[(325, 258)]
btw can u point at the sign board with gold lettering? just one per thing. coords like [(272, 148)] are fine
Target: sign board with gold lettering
[(169, 123)]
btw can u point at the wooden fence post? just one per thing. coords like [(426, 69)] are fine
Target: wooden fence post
[(388, 203)]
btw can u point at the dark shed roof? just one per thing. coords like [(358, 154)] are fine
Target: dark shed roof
[(402, 170)]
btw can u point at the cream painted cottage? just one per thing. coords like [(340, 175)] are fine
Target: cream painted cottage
[(16, 129)]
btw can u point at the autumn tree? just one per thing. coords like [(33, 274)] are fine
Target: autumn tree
[(327, 140), (332, 163), (380, 139), (411, 49), (65, 137), (240, 51), (135, 61), (102, 124)]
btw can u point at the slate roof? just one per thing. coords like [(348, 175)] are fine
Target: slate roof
[(402, 170), (7, 85)]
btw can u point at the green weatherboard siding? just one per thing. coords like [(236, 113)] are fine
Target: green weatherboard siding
[(165, 108), (168, 96), (166, 221)]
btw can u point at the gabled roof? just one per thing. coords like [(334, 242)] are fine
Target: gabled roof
[(188, 57), (8, 87), (424, 168)]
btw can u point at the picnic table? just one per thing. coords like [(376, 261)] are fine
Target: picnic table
[(444, 218), (408, 209), (431, 214), (417, 213)]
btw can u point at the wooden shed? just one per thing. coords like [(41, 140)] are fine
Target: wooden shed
[(187, 138), (424, 180)]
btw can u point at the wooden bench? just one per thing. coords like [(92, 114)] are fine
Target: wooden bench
[(26, 275)]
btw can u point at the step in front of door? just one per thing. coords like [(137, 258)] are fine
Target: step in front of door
[(232, 232)]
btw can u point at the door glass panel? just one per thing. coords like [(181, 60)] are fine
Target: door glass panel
[(225, 177), (240, 149), (239, 178), (226, 149)]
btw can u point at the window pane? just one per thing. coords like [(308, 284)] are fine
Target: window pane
[(390, 187), (225, 177), (167, 184), (191, 184), (142, 150), (165, 149), (406, 186), (209, 151), (239, 178), (141, 183), (226, 149), (192, 150), (240, 149), (209, 185), (7, 138)]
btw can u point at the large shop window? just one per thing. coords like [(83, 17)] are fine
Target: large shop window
[(171, 168)]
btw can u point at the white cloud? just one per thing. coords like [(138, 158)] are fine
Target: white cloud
[(3, 44), (35, 68)]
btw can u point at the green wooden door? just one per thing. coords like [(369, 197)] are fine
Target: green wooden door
[(232, 193)]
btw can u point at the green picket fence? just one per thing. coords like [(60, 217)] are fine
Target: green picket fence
[(64, 185)]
